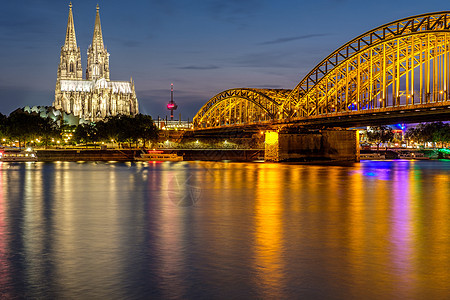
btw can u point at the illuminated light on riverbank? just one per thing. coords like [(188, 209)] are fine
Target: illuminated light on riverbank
[(271, 137), (445, 151)]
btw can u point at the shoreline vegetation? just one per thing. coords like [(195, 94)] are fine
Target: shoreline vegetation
[(23, 129), (122, 138)]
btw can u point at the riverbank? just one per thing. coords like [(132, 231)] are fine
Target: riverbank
[(86, 155), (129, 155), (401, 153), (48, 155)]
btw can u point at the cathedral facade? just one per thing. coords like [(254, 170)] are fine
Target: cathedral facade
[(95, 97)]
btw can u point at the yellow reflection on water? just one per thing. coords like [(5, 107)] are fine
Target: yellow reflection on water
[(34, 222), (374, 230), (268, 231), (356, 225), (86, 227), (433, 248), (173, 191), (5, 276)]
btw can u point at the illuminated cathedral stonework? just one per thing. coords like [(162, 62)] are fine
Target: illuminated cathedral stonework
[(95, 97)]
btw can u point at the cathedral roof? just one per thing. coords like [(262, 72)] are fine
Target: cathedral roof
[(122, 87), (71, 40)]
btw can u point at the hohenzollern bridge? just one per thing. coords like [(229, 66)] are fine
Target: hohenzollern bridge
[(398, 72)]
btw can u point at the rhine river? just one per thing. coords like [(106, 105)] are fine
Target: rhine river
[(199, 230)]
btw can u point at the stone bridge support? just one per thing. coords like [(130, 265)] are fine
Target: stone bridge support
[(320, 145)]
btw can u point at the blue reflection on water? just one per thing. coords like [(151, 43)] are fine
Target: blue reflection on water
[(124, 230)]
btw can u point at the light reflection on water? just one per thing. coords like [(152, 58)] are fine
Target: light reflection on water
[(377, 229)]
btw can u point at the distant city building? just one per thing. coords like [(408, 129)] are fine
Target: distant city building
[(95, 97)]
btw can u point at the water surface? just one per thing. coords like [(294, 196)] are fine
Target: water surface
[(372, 230)]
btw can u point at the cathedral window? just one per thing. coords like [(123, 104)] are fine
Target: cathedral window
[(95, 71), (71, 67)]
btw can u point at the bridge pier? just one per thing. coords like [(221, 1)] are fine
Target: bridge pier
[(319, 145)]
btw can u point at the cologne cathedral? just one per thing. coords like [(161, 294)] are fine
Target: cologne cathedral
[(95, 97)]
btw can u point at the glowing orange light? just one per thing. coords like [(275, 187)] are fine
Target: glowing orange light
[(155, 151), (271, 137)]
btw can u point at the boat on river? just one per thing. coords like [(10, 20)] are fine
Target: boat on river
[(17, 155), (371, 156), (159, 155), (413, 155)]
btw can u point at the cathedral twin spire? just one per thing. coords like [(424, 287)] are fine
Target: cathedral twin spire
[(98, 57), (97, 39), (71, 39), (96, 97), (70, 59)]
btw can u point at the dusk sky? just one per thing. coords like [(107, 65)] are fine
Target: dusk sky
[(203, 47)]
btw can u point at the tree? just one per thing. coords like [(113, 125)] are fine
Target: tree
[(446, 134), (127, 129), (48, 130), (380, 134), (108, 130), (412, 134), (86, 133), (436, 132), (439, 131), (145, 128), (23, 126), (3, 126)]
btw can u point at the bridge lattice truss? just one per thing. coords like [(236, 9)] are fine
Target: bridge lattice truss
[(241, 106), (401, 65)]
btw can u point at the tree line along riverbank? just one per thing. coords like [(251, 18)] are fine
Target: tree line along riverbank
[(22, 129)]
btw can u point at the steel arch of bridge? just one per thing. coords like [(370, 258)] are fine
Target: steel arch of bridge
[(240, 106), (404, 64)]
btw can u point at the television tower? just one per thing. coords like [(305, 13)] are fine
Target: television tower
[(171, 105)]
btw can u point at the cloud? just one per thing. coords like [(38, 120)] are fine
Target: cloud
[(210, 67), (292, 38), (265, 60), (15, 24), (234, 11), (232, 6), (125, 42), (12, 25), (167, 7), (153, 102)]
